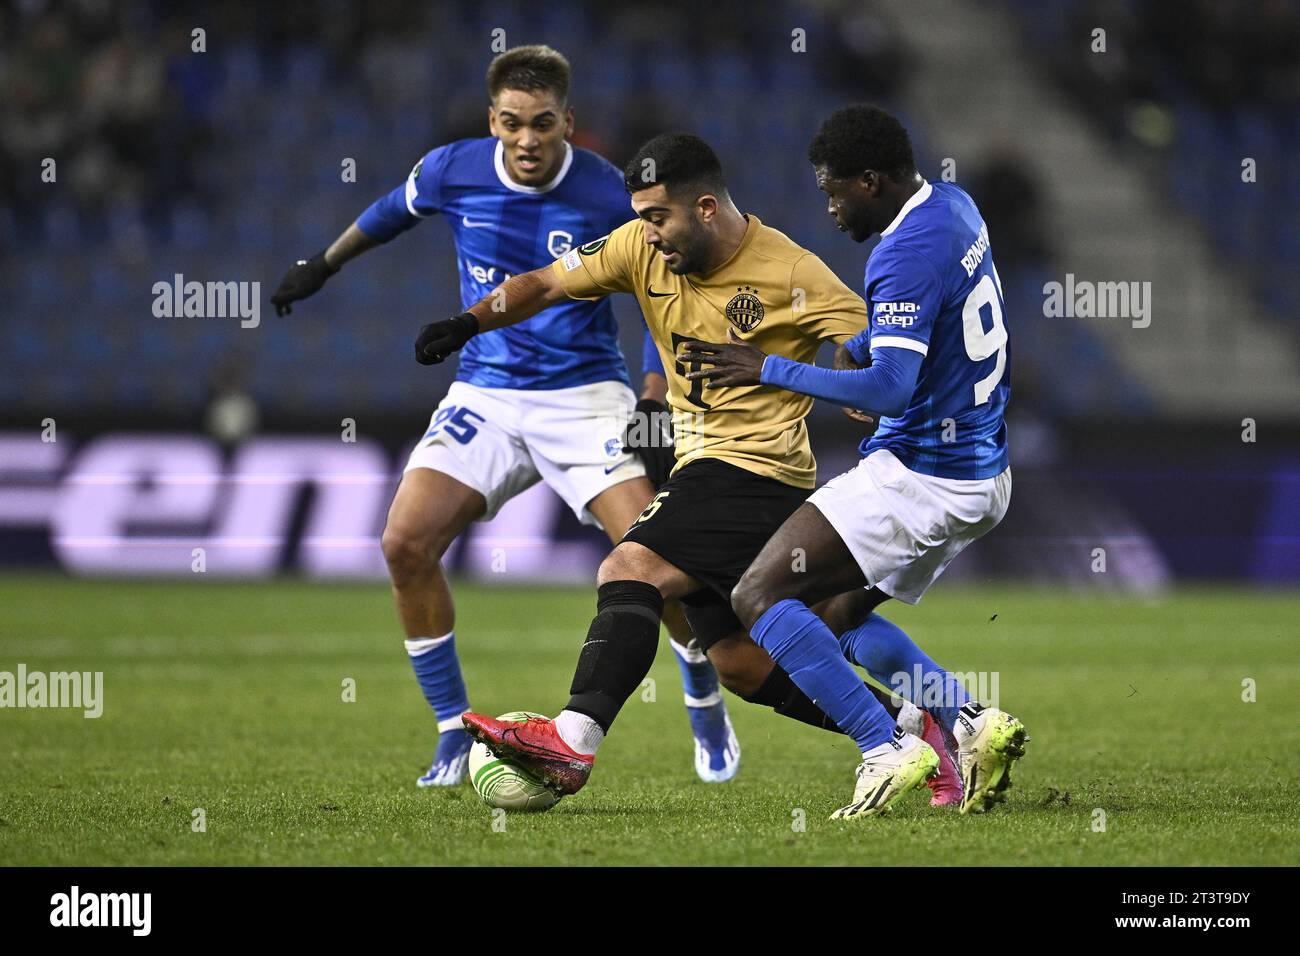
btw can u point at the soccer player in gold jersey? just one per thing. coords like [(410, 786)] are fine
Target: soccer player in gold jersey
[(701, 270)]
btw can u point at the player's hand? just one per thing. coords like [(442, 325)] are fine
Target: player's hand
[(437, 340), (305, 278), (735, 362), (844, 360), (649, 436)]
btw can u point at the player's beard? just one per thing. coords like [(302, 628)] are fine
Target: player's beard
[(860, 224), (692, 249), (855, 225)]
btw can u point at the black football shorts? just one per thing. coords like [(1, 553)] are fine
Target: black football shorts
[(711, 519)]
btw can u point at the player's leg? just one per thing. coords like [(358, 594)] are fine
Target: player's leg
[(575, 438), (465, 467), (632, 584), (429, 510), (749, 672), (746, 669), (773, 600), (900, 530), (885, 652), (986, 742), (894, 660), (710, 520), (717, 750), (695, 539), (940, 517)]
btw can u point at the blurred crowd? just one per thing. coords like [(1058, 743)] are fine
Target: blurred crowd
[(1202, 87), (119, 95), (206, 139), (1221, 56)]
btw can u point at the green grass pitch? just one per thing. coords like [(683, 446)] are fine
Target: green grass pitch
[(229, 697)]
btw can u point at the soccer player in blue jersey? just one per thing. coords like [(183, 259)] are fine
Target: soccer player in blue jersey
[(933, 364), (546, 400)]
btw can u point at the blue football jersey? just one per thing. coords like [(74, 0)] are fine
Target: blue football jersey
[(931, 287), (502, 228)]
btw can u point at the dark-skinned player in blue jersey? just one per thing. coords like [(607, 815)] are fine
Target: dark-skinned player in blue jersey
[(934, 477)]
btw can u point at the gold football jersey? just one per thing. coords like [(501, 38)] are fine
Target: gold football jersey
[(773, 293)]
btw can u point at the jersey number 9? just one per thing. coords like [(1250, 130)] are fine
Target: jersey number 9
[(981, 345)]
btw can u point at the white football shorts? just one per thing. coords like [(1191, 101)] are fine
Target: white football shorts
[(501, 441), (904, 528)]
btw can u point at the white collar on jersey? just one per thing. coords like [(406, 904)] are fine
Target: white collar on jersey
[(500, 162), (918, 197)]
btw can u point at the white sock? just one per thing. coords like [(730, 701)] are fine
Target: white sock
[(965, 723), (691, 653), (415, 646), (910, 718), (579, 731)]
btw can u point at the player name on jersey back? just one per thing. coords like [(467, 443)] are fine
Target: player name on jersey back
[(931, 287)]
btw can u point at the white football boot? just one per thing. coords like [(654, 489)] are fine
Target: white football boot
[(989, 741), (887, 772)]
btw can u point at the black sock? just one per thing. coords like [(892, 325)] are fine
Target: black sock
[(780, 693), (619, 650)]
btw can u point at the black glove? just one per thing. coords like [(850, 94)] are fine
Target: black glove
[(437, 340), (306, 277), (649, 436)]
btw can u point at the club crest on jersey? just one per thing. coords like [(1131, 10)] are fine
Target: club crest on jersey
[(593, 247), (745, 310), (613, 447), (559, 242)]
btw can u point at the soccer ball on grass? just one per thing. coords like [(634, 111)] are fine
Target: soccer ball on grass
[(502, 783)]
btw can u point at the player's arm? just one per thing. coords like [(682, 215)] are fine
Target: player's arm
[(519, 297), (843, 359), (649, 433), (591, 271), (885, 387), (902, 286), (654, 388), (654, 384), (387, 217)]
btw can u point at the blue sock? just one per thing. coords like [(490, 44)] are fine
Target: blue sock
[(892, 658), (807, 651), (708, 715), (699, 679), (438, 670)]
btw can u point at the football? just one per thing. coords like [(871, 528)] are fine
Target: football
[(502, 783)]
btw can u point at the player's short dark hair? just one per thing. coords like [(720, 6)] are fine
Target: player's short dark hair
[(860, 137), (678, 161), (529, 68)]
